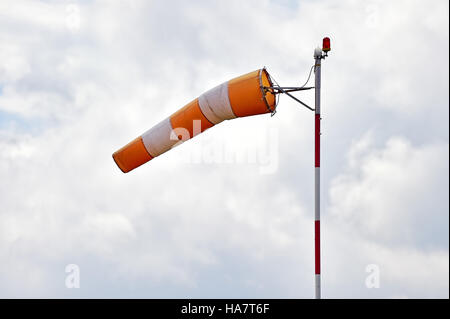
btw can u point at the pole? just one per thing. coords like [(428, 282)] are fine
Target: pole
[(318, 58)]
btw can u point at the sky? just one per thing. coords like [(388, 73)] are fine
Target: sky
[(229, 214)]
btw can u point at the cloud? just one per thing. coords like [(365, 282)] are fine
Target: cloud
[(390, 205), (391, 193), (80, 79)]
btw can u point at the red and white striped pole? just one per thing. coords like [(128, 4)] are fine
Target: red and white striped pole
[(318, 56)]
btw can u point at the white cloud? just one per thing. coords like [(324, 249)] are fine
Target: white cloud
[(395, 193), (390, 205)]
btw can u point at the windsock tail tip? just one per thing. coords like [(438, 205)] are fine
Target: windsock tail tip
[(132, 155), (118, 163)]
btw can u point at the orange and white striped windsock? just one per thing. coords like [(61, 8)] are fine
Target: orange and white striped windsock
[(239, 97)]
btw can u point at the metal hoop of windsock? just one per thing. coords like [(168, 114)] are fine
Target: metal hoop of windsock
[(242, 96)]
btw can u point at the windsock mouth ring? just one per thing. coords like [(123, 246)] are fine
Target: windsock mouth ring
[(267, 94)]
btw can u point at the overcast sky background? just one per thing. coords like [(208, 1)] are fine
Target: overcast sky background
[(230, 213)]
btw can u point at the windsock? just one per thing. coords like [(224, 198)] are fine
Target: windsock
[(242, 96)]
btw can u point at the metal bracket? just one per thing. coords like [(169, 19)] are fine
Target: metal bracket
[(279, 90)]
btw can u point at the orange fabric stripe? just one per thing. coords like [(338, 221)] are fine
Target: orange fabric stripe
[(132, 155), (245, 94), (184, 118)]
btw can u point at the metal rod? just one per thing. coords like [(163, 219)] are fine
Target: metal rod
[(288, 89), (296, 88), (305, 105), (317, 176), (290, 95), (299, 89)]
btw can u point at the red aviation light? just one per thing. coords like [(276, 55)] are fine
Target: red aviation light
[(326, 44)]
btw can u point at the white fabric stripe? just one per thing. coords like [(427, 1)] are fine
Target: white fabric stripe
[(215, 104), (157, 139)]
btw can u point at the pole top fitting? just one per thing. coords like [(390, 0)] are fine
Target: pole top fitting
[(326, 47)]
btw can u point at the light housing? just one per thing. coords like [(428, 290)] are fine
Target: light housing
[(326, 44)]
